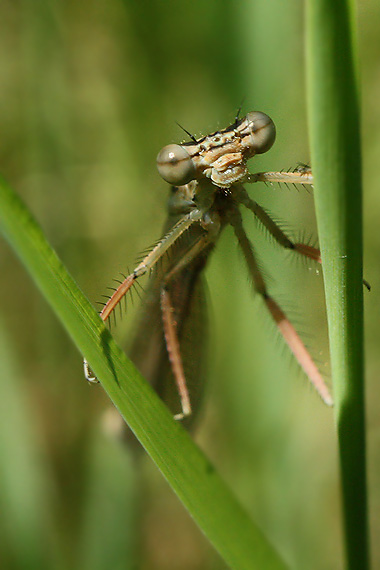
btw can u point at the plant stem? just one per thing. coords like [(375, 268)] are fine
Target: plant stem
[(198, 485), (336, 157)]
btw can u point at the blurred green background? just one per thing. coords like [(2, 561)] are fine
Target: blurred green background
[(90, 91)]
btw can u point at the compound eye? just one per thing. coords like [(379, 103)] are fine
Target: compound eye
[(175, 165), (263, 131)]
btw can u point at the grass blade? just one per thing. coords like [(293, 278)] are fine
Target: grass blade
[(192, 477), (336, 158)]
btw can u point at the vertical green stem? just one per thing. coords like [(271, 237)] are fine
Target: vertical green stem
[(336, 157)]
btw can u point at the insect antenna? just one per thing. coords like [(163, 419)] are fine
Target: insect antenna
[(237, 116), (187, 132)]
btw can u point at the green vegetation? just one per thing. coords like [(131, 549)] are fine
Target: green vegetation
[(90, 92)]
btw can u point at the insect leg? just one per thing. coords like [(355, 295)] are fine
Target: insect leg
[(150, 260), (276, 232), (147, 263), (301, 248), (170, 324), (297, 176), (285, 327)]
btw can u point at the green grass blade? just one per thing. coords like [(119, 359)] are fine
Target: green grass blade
[(197, 484), (336, 159)]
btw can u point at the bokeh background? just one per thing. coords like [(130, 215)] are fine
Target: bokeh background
[(90, 91)]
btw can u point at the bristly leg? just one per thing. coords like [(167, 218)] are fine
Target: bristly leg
[(287, 330), (146, 265), (150, 260), (297, 176), (273, 228), (206, 176), (300, 175), (173, 348), (170, 325)]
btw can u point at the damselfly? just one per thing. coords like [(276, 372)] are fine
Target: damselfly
[(206, 177)]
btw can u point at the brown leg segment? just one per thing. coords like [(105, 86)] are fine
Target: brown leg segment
[(172, 346), (277, 233), (151, 259), (170, 325), (285, 327), (281, 238)]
